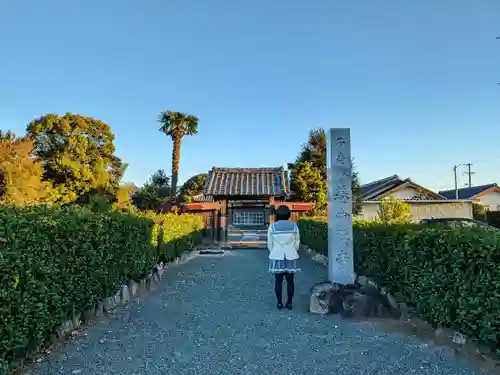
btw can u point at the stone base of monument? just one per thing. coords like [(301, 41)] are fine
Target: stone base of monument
[(363, 299)]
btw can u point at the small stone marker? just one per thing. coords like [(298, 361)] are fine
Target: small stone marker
[(133, 287), (125, 294)]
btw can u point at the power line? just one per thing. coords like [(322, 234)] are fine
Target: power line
[(485, 160)]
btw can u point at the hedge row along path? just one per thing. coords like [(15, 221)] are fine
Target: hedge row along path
[(217, 315)]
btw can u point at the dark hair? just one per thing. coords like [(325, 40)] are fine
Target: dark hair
[(283, 213)]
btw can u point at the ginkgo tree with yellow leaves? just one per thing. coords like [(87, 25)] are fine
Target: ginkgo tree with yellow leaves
[(21, 181)]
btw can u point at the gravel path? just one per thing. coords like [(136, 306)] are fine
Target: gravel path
[(216, 315)]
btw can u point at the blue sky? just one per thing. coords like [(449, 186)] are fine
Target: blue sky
[(416, 81)]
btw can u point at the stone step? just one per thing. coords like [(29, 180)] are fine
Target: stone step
[(246, 230), (247, 244), (245, 236)]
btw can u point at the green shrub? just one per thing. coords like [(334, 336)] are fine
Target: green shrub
[(493, 218), (174, 234), (452, 276), (314, 233), (393, 211), (479, 212), (59, 261), (179, 233)]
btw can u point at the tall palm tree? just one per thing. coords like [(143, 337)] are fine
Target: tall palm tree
[(177, 125)]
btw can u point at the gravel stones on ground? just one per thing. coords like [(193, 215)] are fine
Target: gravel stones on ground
[(217, 316)]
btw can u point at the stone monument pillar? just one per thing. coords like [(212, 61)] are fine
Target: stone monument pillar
[(340, 236), (345, 293)]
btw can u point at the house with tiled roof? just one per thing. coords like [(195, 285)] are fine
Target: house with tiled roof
[(424, 202), (487, 195), (241, 201), (404, 189)]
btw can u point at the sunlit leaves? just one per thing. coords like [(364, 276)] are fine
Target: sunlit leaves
[(20, 173), (192, 187), (77, 152)]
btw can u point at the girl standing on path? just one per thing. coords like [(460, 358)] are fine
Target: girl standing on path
[(283, 243)]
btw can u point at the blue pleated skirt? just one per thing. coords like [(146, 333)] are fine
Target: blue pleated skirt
[(283, 265)]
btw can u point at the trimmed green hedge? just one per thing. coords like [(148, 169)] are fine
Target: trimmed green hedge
[(173, 238), (452, 276), (175, 234), (57, 262)]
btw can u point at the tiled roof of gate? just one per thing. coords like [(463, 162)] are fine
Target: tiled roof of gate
[(247, 182)]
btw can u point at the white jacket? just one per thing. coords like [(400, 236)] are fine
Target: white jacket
[(283, 240)]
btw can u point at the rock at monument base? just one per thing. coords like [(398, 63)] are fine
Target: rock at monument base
[(324, 298), (361, 300)]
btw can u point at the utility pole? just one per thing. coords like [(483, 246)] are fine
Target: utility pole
[(469, 173), (456, 181)]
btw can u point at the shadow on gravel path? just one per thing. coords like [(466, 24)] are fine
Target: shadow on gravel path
[(216, 315)]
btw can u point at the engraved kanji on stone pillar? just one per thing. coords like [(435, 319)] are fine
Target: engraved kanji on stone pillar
[(340, 236)]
